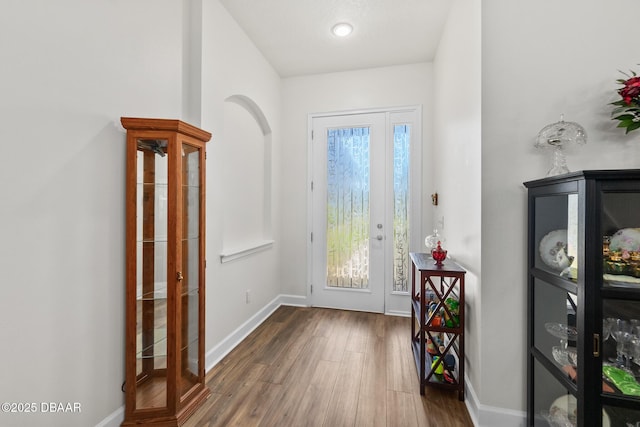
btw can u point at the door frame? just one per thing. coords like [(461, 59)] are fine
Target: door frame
[(395, 303)]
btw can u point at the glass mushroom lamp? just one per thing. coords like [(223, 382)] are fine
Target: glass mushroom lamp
[(557, 136)]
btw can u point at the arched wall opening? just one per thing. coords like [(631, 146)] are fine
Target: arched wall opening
[(247, 164)]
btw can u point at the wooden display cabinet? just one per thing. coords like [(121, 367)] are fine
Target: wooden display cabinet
[(437, 326), (165, 271)]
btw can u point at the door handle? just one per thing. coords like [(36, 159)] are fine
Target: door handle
[(379, 237)]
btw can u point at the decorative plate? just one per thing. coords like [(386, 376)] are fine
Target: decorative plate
[(565, 407), (553, 250), (626, 239)]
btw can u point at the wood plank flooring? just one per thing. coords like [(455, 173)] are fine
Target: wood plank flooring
[(322, 367)]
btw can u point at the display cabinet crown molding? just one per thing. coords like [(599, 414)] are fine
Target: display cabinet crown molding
[(171, 125)]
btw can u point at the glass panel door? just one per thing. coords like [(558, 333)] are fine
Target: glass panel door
[(189, 295), (362, 188), (348, 218), (554, 334), (401, 206), (621, 303), (349, 230), (151, 273)]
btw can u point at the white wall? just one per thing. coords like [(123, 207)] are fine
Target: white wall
[(70, 70), (539, 59), (231, 65), (364, 89), (456, 165)]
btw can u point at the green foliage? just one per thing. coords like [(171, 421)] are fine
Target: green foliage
[(627, 110)]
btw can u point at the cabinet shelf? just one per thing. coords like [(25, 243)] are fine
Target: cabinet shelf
[(555, 279), (161, 240), (434, 379), (555, 370), (158, 294), (158, 345), (152, 183)]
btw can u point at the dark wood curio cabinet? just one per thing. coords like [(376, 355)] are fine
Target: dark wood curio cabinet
[(165, 271), (584, 299)]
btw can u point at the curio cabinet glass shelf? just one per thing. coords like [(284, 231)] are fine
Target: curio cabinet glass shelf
[(165, 271), (584, 299)]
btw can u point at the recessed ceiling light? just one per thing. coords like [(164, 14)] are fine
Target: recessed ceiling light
[(342, 29)]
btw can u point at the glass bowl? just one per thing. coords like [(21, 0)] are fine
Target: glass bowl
[(562, 331), (560, 355), (565, 356)]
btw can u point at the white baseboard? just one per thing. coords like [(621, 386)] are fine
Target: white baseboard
[(491, 416), (400, 313), (294, 300), (114, 419)]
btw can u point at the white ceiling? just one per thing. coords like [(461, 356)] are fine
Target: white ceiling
[(295, 35)]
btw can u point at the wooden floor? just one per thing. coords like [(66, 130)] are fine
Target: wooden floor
[(321, 367)]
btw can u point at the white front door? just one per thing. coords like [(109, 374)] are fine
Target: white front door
[(348, 197), (365, 209)]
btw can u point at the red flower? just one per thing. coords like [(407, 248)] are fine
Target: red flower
[(631, 90), (627, 108)]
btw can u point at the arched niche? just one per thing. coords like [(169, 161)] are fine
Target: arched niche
[(246, 174)]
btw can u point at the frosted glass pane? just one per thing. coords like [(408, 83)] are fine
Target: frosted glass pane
[(401, 144), (348, 186)]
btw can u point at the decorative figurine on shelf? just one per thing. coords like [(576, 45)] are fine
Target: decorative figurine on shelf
[(606, 241), (438, 368), (449, 368), (431, 348), (432, 240), (438, 254), (559, 136), (452, 320)]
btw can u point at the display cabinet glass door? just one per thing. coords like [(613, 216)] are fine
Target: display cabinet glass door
[(555, 306), (189, 283), (620, 348), (151, 273)]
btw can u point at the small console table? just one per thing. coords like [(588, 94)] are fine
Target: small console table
[(437, 327)]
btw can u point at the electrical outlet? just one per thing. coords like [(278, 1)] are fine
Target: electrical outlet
[(247, 296)]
